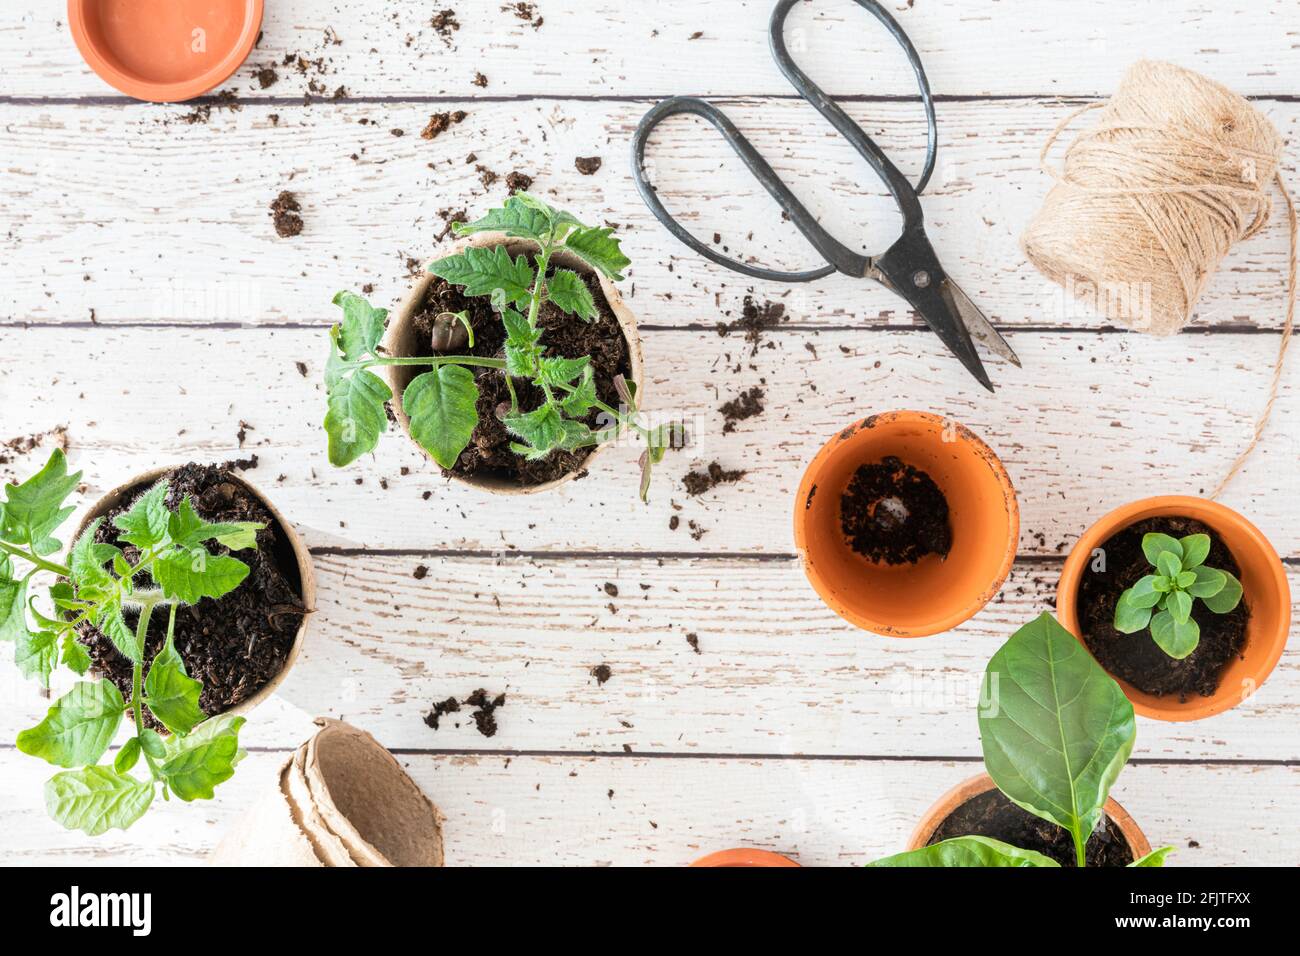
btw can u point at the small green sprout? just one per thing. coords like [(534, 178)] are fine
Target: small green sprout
[(1164, 600)]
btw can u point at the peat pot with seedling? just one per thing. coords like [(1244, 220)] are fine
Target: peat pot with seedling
[(1056, 732), (907, 524), (184, 596), (1182, 600), (512, 361)]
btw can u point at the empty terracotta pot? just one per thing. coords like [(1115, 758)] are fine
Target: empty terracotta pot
[(165, 51), (1264, 586), (401, 339), (935, 594), (744, 858), (967, 789)]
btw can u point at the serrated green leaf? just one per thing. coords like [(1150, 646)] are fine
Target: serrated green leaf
[(1168, 564), (1196, 548), (582, 399), (13, 608), (542, 429), (355, 415), (966, 851), (575, 435), (597, 247), (518, 331), (567, 290), (516, 218), (441, 404), (189, 576), (37, 654), (1179, 606), (1227, 598), (78, 727), (1154, 858), (145, 524), (358, 335), (86, 561), (521, 362), (1176, 638), (96, 799), (127, 756), (108, 618), (481, 271), (1130, 617), (74, 655), (34, 509), (1155, 544), (560, 371), (242, 537), (170, 693), (198, 762), (1209, 582)]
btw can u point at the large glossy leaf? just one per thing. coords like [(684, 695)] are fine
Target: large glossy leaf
[(198, 762), (1057, 729), (1227, 597), (78, 727), (355, 417), (968, 851), (441, 406), (170, 693), (1153, 859), (96, 799)]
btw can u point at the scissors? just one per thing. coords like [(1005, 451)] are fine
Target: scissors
[(909, 268)]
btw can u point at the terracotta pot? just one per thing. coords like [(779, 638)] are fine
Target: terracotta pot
[(744, 858), (933, 595), (983, 783), (400, 340), (1264, 586), (165, 51), (306, 573)]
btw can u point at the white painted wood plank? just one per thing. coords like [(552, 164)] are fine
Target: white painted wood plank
[(777, 672), (677, 46), (1089, 423), (559, 810), (163, 221)]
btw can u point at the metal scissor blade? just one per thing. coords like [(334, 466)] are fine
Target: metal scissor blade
[(980, 328)]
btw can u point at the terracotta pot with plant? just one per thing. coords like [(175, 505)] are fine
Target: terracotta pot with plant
[(1182, 600), (512, 362), (744, 857), (907, 524)]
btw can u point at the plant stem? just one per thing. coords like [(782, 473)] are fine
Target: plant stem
[(435, 361), (137, 675), (32, 558), (1080, 850), (539, 286)]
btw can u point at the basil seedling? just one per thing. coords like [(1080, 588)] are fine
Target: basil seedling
[(96, 585), (1164, 600)]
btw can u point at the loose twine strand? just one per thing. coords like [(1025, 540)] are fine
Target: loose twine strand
[(1150, 200)]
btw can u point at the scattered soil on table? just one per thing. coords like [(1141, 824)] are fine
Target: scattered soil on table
[(518, 182), (440, 709), (992, 815), (24, 444), (698, 482), (485, 715), (602, 673), (747, 404), (234, 645), (526, 12), (895, 513), (480, 80), (587, 165), (488, 454), (1136, 657), (755, 319), (267, 77), (445, 24), (693, 639), (285, 214), (439, 123), (450, 216), (202, 112)]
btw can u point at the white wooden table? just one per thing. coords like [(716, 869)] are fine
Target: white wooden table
[(147, 305)]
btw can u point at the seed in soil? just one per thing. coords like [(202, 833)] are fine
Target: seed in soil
[(698, 482), (1137, 658), (285, 214), (895, 513)]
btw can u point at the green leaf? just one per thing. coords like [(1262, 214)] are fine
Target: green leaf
[(96, 799), (170, 693), (518, 332), (441, 405), (198, 762), (575, 435), (128, 756), (560, 371), (516, 218), (1208, 583), (1154, 858), (1179, 606), (37, 654), (35, 508), (145, 524), (189, 576), (1176, 638), (1227, 598), (358, 335), (78, 727), (1185, 580), (1156, 544), (1196, 547), (968, 851), (1161, 584), (599, 249), (1168, 565), (482, 271), (1144, 593), (74, 655), (188, 530), (152, 743), (567, 290), (1129, 617), (86, 561), (13, 606), (580, 401), (243, 537), (542, 429), (1058, 729), (108, 618), (355, 416)]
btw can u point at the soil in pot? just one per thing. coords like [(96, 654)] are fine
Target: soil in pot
[(1137, 658), (236, 645), (894, 513), (991, 814), (488, 453)]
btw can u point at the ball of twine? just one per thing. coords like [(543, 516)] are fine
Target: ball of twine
[(1150, 200)]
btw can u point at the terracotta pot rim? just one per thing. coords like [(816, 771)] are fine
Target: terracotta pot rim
[(967, 610), (955, 796), (745, 857), (415, 298), (1169, 708), (306, 570), (106, 67)]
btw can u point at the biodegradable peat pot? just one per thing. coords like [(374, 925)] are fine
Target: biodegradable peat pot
[(934, 594), (165, 51), (340, 800), (744, 857), (1265, 593), (291, 541), (983, 783), (401, 339)]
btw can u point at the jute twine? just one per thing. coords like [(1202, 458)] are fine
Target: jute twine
[(1151, 199)]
